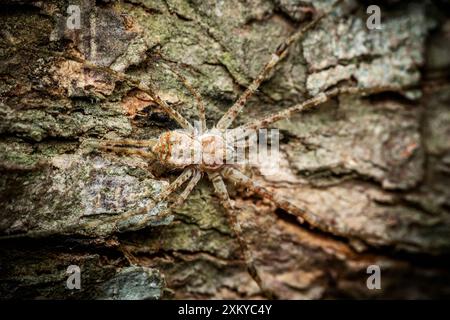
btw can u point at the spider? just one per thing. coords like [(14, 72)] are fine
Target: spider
[(169, 146)]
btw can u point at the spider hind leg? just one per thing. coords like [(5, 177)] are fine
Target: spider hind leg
[(222, 193)]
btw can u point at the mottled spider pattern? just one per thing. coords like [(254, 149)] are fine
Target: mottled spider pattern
[(212, 141)]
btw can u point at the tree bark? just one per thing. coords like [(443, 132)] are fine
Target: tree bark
[(375, 170)]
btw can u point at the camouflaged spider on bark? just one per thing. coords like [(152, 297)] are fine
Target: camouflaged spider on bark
[(171, 147)]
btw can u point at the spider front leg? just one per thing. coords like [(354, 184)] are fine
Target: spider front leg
[(200, 104), (222, 193), (281, 51), (123, 146), (129, 142), (132, 81)]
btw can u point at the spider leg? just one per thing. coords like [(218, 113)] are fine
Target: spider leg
[(178, 182), (123, 146), (170, 111), (200, 104), (238, 177), (281, 51), (128, 142), (252, 126), (187, 173), (137, 83), (128, 151), (222, 193), (321, 98), (187, 191)]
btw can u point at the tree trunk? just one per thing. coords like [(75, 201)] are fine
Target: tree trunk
[(374, 170)]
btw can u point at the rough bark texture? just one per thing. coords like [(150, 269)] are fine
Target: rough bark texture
[(375, 170)]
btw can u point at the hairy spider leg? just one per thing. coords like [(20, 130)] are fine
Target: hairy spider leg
[(240, 178), (200, 104), (128, 142), (281, 51), (178, 182), (222, 193), (128, 151), (196, 176), (187, 191), (137, 83), (318, 100)]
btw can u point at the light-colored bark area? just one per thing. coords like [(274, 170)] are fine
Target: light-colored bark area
[(374, 170)]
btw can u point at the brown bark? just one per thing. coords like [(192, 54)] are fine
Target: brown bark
[(374, 170)]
